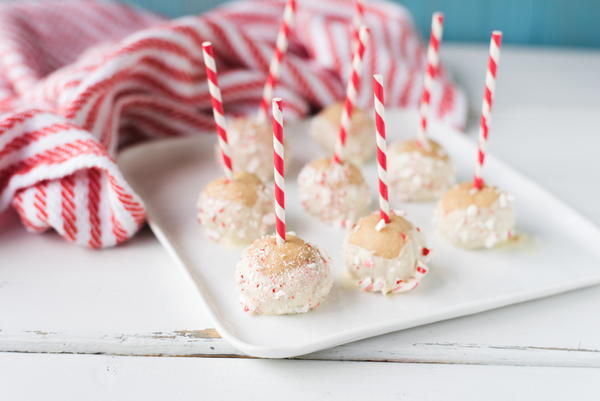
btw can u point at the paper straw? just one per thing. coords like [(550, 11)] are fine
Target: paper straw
[(279, 170), (433, 63), (486, 108), (384, 205), (357, 22), (217, 106), (351, 93), (281, 46)]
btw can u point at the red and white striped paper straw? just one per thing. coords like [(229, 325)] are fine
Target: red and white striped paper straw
[(486, 108), (351, 93), (433, 63), (279, 170), (384, 204), (281, 46), (357, 21), (217, 106)]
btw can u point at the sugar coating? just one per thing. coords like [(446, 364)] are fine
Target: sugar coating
[(333, 194), (414, 176), (475, 227), (360, 140), (400, 273), (251, 147), (298, 283), (233, 221)]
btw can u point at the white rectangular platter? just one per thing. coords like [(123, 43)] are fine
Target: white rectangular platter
[(557, 251)]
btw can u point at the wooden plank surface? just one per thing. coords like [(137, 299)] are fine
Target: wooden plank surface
[(525, 334), (55, 297), (91, 377)]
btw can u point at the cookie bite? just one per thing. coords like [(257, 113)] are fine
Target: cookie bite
[(473, 218), (276, 279), (417, 172), (324, 128), (390, 259), (236, 211), (251, 146), (334, 192)]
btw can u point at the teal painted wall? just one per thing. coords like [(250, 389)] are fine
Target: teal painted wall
[(535, 22)]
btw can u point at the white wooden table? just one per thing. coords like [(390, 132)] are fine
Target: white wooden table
[(59, 299)]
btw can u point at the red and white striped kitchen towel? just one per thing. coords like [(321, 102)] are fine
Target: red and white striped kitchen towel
[(78, 79)]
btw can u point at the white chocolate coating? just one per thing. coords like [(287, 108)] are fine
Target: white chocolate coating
[(278, 290), (477, 227), (336, 194), (360, 139), (251, 147), (233, 221), (414, 176), (399, 273)]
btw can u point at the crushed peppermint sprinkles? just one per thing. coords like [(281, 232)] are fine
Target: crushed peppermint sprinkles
[(280, 279), (475, 218), (392, 260), (235, 212), (335, 193)]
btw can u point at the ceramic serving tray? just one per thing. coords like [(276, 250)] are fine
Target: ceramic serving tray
[(556, 251)]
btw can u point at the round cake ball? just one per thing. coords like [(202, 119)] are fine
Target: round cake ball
[(360, 138), (389, 260), (251, 146), (280, 279), (335, 193), (471, 218), (419, 174), (236, 212)]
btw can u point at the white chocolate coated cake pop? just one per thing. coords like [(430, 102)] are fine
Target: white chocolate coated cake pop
[(292, 277), (236, 212), (251, 146), (360, 140), (389, 260), (419, 174), (470, 218), (335, 193)]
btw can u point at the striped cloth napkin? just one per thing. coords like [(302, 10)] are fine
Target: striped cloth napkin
[(79, 80)]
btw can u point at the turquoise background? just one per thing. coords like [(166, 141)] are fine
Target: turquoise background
[(535, 22)]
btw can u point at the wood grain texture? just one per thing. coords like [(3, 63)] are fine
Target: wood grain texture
[(95, 377), (207, 343)]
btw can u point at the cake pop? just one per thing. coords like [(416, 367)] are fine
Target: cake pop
[(333, 189), (235, 209), (475, 215), (281, 273), (420, 169), (251, 137), (384, 252)]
